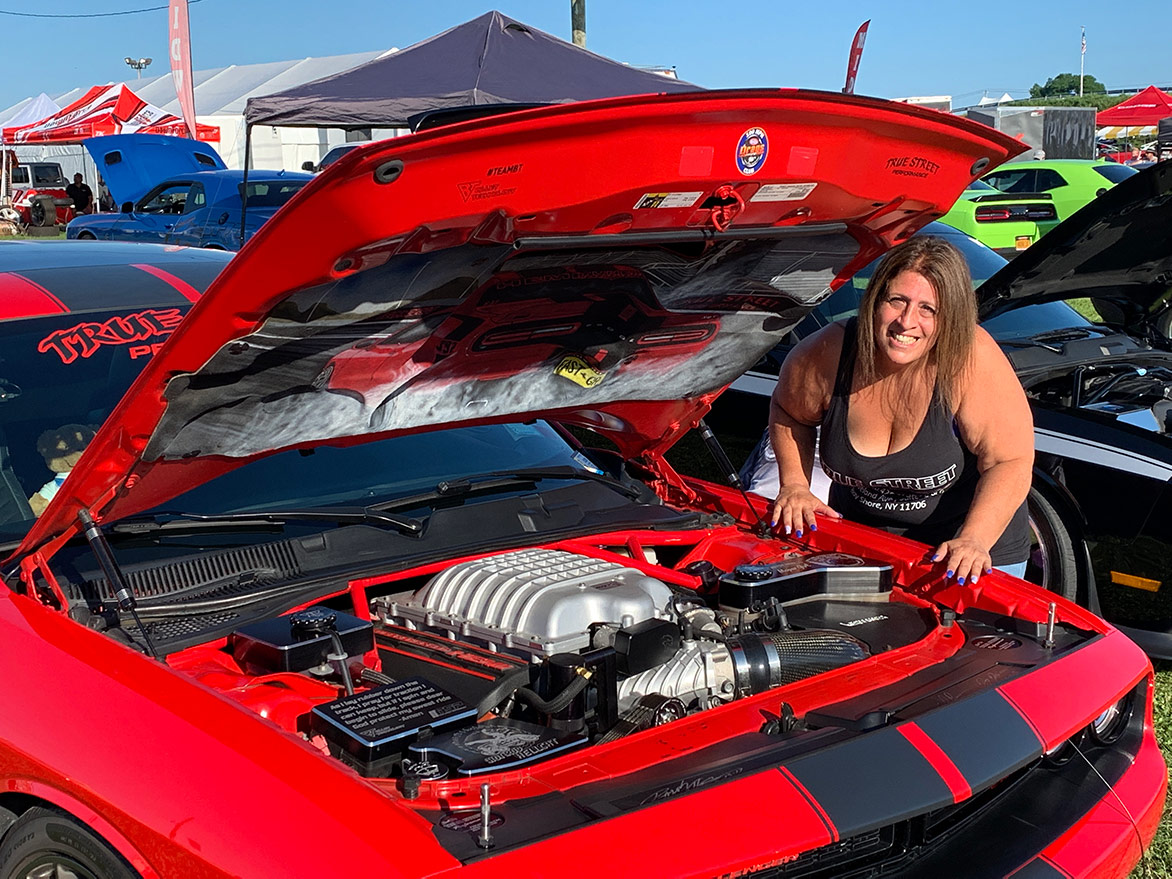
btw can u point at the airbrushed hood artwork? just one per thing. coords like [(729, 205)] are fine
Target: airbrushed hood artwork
[(352, 547)]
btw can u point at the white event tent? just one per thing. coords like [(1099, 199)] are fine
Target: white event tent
[(220, 98)]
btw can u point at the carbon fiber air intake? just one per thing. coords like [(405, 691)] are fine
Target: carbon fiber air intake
[(762, 662)]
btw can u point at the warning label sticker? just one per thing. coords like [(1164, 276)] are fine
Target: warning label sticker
[(783, 192), (667, 200)]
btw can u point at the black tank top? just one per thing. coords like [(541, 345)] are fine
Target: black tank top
[(923, 491)]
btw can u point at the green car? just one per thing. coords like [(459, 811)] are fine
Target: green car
[(1012, 207)]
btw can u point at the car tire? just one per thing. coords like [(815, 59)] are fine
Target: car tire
[(86, 236), (49, 843), (42, 211), (1053, 563)]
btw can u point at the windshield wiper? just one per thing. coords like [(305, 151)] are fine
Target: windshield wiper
[(175, 521), (504, 480), (1048, 339)]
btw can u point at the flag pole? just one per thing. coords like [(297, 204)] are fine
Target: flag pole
[(1082, 58)]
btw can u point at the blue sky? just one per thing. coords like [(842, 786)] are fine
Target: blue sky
[(913, 48)]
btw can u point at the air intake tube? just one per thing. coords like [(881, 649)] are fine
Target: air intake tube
[(764, 661)]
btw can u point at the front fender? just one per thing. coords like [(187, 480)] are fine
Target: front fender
[(189, 783)]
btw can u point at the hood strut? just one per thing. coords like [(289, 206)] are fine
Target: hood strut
[(105, 556)]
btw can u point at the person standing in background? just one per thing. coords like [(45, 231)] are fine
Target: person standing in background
[(82, 195)]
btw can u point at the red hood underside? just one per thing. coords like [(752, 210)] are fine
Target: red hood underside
[(614, 263)]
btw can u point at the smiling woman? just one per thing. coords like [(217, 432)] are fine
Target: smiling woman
[(925, 430)]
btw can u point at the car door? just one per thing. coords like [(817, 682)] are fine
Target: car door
[(189, 227), (156, 214)]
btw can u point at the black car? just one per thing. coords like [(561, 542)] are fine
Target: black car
[(1085, 317)]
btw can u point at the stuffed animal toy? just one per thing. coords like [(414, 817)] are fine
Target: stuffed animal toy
[(61, 449)]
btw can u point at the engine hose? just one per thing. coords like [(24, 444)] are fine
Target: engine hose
[(370, 676), (558, 702)]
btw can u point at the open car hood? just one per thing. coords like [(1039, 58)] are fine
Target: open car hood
[(1117, 250), (613, 264), (132, 164)]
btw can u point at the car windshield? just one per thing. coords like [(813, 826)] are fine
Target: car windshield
[(61, 376), (1116, 173), (47, 175), (57, 374), (379, 472), (335, 154), (1033, 320)]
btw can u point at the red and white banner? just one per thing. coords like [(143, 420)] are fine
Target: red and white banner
[(852, 66), (179, 39)]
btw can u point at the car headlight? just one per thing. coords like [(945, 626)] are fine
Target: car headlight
[(1110, 724)]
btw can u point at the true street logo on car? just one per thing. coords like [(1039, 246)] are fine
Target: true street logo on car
[(752, 150), (86, 338), (912, 166)]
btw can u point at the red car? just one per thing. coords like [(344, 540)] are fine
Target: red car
[(347, 585)]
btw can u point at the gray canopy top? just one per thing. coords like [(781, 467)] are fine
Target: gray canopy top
[(491, 59)]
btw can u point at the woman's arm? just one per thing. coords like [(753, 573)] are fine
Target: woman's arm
[(799, 400), (996, 425)]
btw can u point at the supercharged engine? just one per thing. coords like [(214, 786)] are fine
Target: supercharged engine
[(505, 660)]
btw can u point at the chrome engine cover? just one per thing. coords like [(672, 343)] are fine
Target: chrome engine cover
[(536, 601)]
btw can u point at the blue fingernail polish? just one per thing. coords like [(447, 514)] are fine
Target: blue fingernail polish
[(960, 580), (949, 573), (814, 527), (797, 534), (976, 577), (936, 557), (773, 524)]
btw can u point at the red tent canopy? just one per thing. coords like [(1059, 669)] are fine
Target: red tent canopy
[(1147, 108), (104, 109)]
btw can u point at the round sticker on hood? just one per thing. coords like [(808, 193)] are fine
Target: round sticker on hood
[(752, 149)]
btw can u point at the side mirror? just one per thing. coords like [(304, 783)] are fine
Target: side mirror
[(308, 166), (128, 207)]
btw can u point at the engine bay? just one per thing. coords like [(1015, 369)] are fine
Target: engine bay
[(500, 662), (1129, 392)]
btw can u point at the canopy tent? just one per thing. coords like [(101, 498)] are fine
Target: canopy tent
[(34, 110), (104, 109), (492, 59), (1138, 115)]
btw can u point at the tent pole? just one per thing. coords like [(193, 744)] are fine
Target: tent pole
[(244, 186)]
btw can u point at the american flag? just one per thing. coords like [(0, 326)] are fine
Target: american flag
[(1084, 41)]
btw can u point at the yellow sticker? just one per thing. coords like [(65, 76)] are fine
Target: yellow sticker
[(580, 371)]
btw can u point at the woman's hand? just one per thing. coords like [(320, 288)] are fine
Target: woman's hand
[(964, 558), (795, 508)]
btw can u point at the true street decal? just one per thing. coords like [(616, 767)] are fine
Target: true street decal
[(144, 331), (912, 166), (752, 150)]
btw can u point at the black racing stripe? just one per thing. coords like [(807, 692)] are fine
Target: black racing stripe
[(108, 288), (814, 806), (984, 736), (869, 782), (1039, 869)]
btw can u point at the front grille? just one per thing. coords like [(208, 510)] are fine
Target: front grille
[(880, 852)]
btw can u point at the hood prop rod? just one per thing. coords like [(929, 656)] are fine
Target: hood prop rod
[(105, 556), (730, 474)]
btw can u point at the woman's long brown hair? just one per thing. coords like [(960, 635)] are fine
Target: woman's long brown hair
[(956, 311)]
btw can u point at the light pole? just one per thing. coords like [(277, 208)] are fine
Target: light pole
[(138, 64)]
